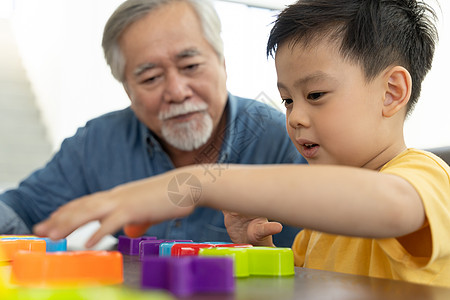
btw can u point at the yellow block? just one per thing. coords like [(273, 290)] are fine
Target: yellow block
[(3, 277)]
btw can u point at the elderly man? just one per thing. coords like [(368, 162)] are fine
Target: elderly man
[(168, 55)]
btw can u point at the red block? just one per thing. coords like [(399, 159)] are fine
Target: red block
[(193, 249)]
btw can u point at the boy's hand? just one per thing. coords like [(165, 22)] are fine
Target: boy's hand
[(257, 231), (145, 201)]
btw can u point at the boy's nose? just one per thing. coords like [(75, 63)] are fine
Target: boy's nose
[(176, 88), (298, 116)]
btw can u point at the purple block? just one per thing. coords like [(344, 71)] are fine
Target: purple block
[(130, 246), (151, 247), (187, 275)]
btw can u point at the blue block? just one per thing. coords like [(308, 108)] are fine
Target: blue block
[(55, 246), (164, 248)]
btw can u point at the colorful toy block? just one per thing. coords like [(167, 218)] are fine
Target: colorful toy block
[(13, 236), (151, 247), (55, 246), (10, 247), (130, 246), (136, 230), (166, 248), (89, 293), (257, 261), (188, 249), (180, 249), (51, 246), (184, 276), (72, 268), (2, 273)]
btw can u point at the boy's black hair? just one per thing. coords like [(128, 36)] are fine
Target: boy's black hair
[(374, 33)]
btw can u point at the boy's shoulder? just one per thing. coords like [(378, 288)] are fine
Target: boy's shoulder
[(417, 155), (413, 164)]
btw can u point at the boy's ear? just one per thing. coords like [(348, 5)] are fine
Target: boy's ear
[(398, 90)]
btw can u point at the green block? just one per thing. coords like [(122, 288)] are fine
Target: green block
[(271, 261), (257, 261)]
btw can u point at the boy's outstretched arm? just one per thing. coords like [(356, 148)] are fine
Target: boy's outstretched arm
[(136, 202), (333, 199)]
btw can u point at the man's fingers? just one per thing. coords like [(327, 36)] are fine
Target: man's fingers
[(267, 229)]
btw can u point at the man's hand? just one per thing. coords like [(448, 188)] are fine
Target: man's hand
[(257, 231)]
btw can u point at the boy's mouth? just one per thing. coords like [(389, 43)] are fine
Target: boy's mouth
[(309, 150), (310, 145)]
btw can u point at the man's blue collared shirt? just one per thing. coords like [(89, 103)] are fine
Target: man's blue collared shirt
[(117, 148)]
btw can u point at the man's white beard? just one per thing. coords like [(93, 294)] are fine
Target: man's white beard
[(190, 135)]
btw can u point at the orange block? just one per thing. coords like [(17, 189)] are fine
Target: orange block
[(136, 230), (72, 268), (12, 236), (11, 247)]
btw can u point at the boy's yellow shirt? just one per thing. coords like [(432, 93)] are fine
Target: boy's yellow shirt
[(387, 258)]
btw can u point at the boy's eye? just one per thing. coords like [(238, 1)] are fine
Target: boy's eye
[(286, 102), (315, 96)]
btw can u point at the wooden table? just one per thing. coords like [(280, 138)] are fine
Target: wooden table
[(310, 284)]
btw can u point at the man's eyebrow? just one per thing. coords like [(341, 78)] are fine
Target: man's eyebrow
[(183, 54), (188, 53), (317, 76), (143, 68)]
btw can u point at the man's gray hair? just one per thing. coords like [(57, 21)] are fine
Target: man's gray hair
[(132, 10)]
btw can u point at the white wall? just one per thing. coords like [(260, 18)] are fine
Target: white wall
[(429, 126), (60, 43), (6, 8)]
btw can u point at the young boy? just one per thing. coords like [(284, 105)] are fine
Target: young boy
[(349, 72)]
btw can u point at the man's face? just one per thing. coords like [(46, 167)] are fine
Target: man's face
[(174, 78), (333, 115)]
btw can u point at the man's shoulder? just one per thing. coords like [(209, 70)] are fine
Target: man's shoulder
[(257, 133), (113, 126), (118, 117), (248, 104), (252, 111)]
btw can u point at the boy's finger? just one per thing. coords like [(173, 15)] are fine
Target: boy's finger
[(68, 218), (109, 225)]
